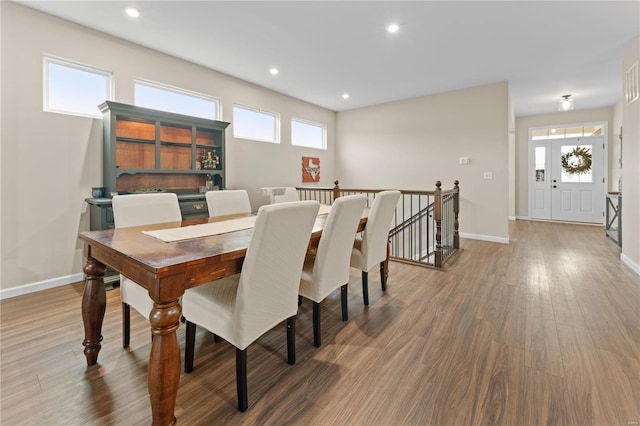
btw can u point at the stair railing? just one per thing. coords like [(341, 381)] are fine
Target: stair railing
[(425, 227)]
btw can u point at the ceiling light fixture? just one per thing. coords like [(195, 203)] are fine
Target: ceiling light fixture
[(273, 71), (345, 96), (393, 28), (566, 103), (132, 12)]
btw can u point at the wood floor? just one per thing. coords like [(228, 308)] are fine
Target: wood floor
[(545, 330)]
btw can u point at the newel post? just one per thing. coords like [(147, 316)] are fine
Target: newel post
[(437, 216), (456, 210), (336, 190)]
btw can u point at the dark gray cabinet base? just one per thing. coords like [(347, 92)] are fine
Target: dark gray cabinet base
[(192, 206)]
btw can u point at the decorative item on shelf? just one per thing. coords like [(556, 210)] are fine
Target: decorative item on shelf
[(211, 162), (207, 161), (578, 161), (198, 164), (97, 192), (209, 184), (310, 169), (216, 160)]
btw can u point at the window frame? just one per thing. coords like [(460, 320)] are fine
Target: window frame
[(276, 129), (314, 124), (180, 91), (50, 59)]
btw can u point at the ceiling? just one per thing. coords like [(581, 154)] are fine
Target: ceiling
[(545, 49)]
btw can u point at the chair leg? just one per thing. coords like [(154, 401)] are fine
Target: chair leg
[(383, 279), (291, 340), (365, 287), (299, 300), (343, 302), (241, 379), (189, 346), (126, 325), (317, 341)]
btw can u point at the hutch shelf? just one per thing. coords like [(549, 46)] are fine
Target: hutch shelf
[(146, 150), (150, 150)]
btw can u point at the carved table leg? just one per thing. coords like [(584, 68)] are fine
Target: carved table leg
[(164, 362), (94, 303)]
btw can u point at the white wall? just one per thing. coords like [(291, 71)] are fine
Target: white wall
[(50, 161), (410, 144), (512, 160), (631, 170), (523, 124)]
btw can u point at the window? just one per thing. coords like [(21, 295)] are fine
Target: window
[(173, 99), (251, 123), (568, 132), (309, 134), (71, 88), (540, 158)]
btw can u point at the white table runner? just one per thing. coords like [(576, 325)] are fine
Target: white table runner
[(171, 235), (203, 230)]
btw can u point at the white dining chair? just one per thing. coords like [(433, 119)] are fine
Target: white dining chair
[(228, 201), (371, 249), (137, 210), (244, 306), (290, 194), (328, 268)]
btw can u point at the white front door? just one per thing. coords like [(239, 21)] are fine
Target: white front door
[(577, 187), (565, 190)]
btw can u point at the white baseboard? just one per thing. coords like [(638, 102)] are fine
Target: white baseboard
[(6, 293), (523, 217), (630, 263), (489, 238), (512, 217)]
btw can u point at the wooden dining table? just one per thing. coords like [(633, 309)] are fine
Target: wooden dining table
[(166, 270)]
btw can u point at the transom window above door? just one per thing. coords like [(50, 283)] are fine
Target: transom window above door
[(566, 132)]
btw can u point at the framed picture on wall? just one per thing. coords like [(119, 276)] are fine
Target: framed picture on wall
[(310, 169)]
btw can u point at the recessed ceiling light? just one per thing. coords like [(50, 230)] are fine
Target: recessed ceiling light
[(345, 96), (393, 28), (273, 71), (133, 12)]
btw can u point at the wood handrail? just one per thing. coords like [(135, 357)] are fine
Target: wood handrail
[(439, 195)]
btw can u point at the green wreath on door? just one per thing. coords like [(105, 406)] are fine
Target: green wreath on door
[(578, 161)]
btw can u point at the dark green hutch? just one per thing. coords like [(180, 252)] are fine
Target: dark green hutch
[(146, 150)]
